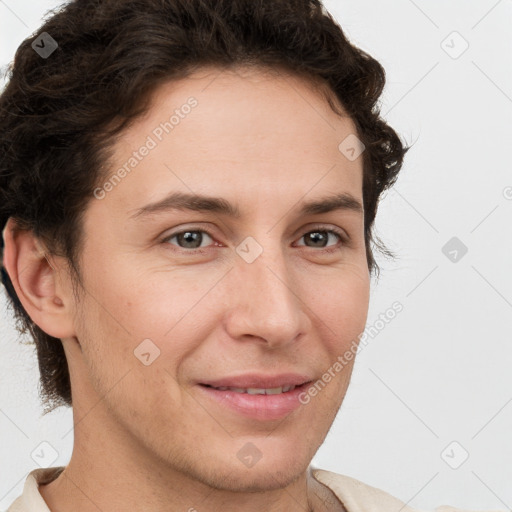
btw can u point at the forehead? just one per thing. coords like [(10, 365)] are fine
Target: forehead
[(246, 130)]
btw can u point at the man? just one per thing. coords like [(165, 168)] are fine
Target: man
[(204, 376)]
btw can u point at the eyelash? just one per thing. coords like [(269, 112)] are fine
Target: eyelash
[(340, 234)]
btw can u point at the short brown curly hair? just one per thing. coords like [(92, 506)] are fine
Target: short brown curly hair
[(60, 115)]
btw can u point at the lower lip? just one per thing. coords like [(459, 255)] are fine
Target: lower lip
[(259, 407)]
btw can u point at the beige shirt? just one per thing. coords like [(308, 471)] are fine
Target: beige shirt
[(355, 495)]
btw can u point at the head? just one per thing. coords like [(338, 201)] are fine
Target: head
[(251, 102)]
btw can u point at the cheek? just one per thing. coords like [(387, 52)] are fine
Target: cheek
[(342, 313), (341, 305), (126, 361), (140, 304), (152, 318)]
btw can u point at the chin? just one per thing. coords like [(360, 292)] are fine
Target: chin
[(274, 473), (254, 480)]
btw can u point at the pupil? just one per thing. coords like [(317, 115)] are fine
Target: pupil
[(191, 237), (317, 235)]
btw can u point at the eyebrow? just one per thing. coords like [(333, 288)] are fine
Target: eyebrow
[(202, 203)]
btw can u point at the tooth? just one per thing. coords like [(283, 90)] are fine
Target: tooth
[(258, 391), (274, 391), (255, 391)]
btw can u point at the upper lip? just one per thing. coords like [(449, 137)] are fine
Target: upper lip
[(259, 381)]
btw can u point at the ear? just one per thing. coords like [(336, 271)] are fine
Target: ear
[(41, 282)]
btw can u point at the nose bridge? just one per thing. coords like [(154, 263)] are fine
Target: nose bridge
[(267, 301)]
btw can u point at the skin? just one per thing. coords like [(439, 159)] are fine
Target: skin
[(265, 142)]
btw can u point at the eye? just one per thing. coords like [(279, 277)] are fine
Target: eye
[(319, 238), (191, 238)]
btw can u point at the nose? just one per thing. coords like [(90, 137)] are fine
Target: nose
[(266, 302)]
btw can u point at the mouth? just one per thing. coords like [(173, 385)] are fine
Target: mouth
[(255, 391), (257, 398)]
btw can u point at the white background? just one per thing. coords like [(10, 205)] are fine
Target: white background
[(440, 371)]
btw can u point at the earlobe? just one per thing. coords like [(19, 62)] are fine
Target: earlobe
[(38, 282)]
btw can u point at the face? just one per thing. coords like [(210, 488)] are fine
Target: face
[(185, 309)]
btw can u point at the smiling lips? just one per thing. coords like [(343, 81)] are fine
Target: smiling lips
[(259, 397), (259, 381), (258, 391)]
